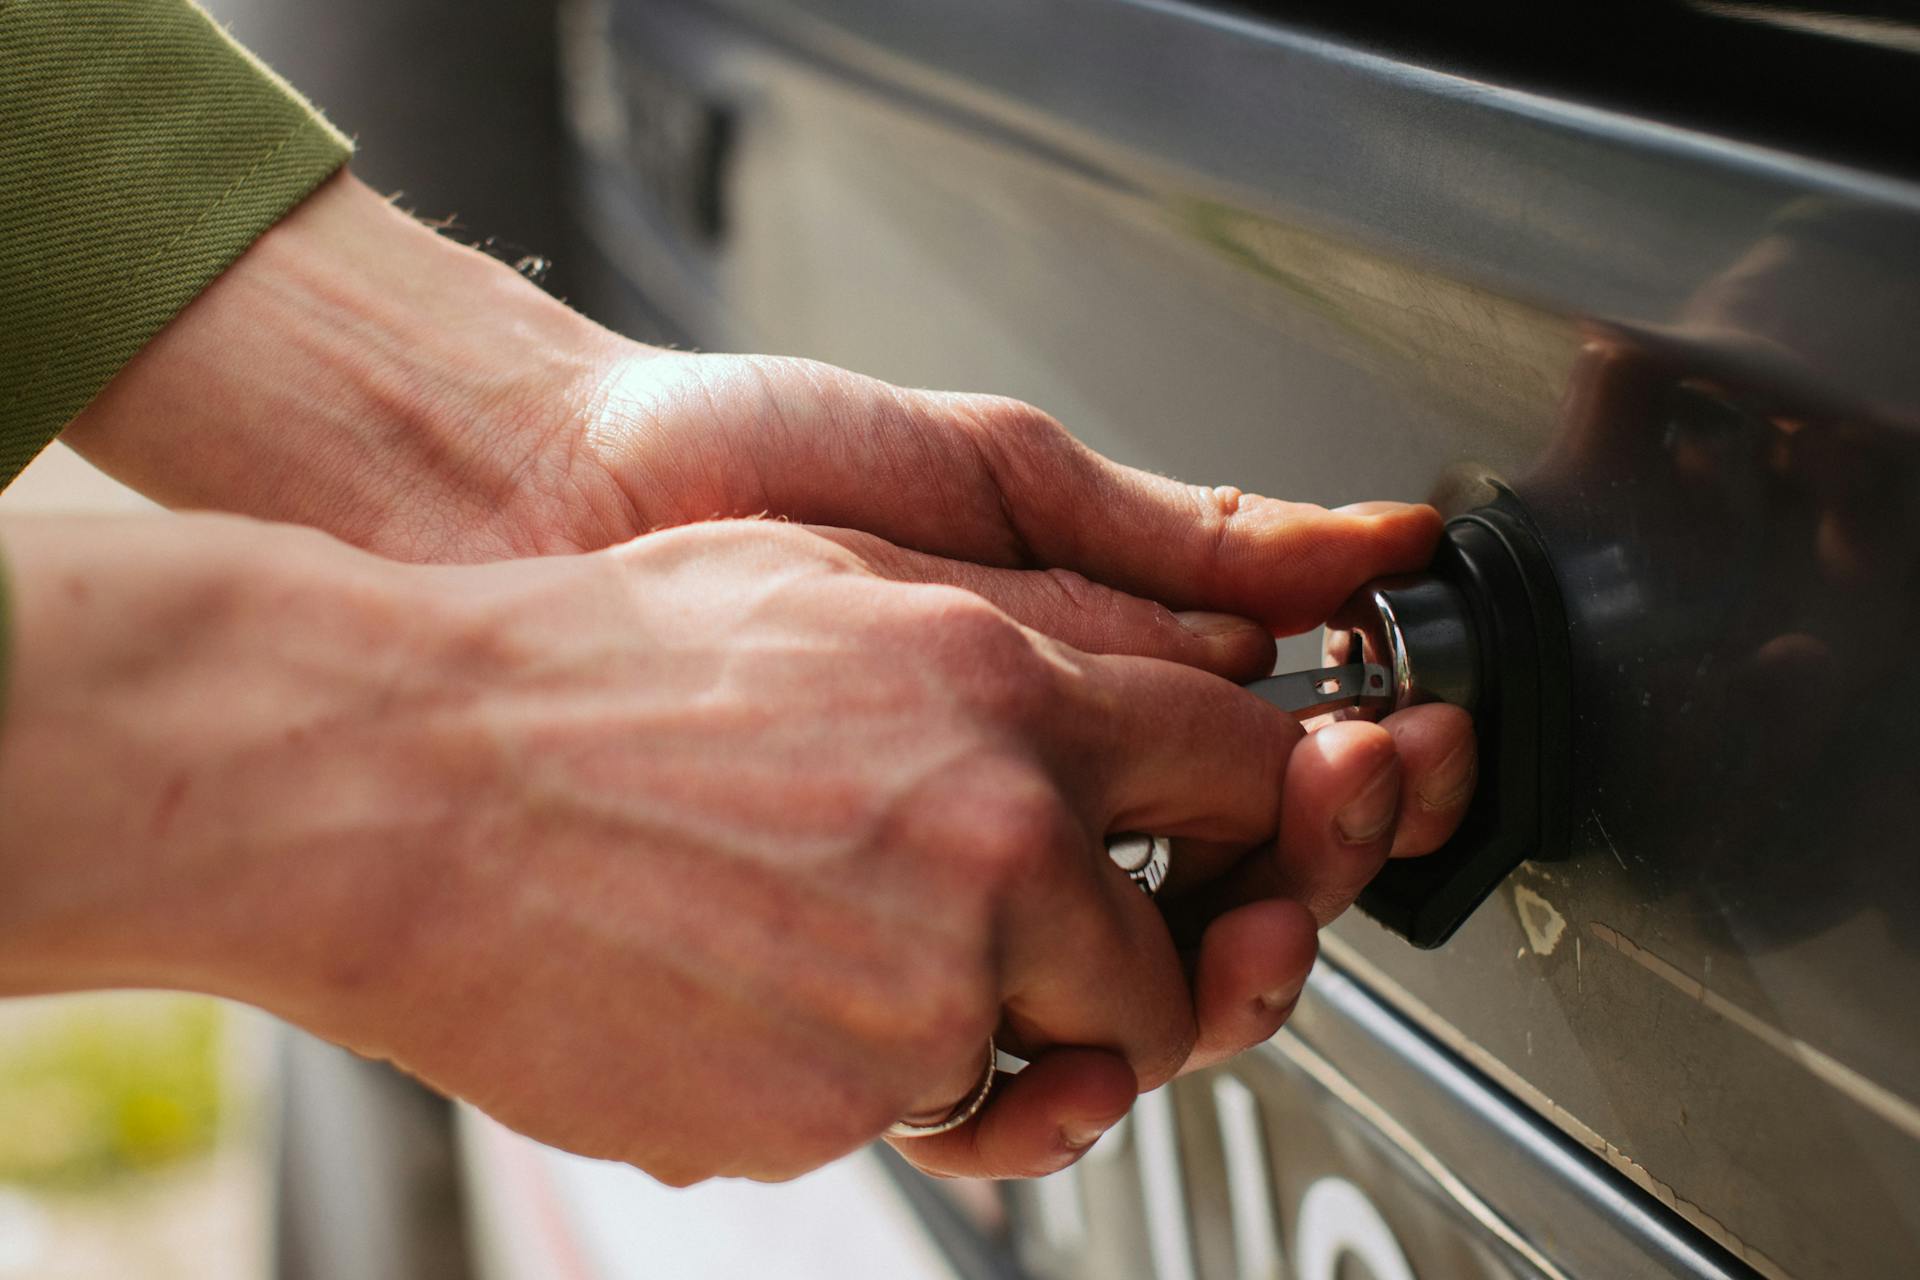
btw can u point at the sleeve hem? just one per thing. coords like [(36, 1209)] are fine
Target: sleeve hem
[(152, 152)]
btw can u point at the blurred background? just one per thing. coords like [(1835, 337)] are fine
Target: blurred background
[(131, 1139)]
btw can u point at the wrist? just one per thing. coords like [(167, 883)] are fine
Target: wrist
[(356, 372), (189, 768)]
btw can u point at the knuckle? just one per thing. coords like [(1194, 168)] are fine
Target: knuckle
[(1216, 507), (775, 373), (1017, 422), (841, 1114), (1164, 1055), (679, 1175), (949, 1012), (924, 1014), (987, 658), (942, 611), (1012, 695), (1018, 432), (1111, 620), (1167, 1059), (1075, 593), (1013, 831), (848, 1117)]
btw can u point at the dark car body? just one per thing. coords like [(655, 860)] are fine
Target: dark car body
[(1657, 270)]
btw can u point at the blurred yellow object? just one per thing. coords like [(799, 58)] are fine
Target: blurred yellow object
[(97, 1085)]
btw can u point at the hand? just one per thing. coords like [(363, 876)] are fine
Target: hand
[(360, 374), (714, 852), (357, 373), (429, 404)]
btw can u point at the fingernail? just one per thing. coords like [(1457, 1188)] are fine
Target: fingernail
[(1373, 508), (1211, 626), (1077, 1135), (1367, 816), (1451, 780)]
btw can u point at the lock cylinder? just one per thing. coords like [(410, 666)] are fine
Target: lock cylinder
[(1418, 628), (1483, 628)]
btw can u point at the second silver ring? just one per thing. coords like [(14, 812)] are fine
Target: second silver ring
[(1144, 858)]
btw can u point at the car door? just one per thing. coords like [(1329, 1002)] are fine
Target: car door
[(1652, 272)]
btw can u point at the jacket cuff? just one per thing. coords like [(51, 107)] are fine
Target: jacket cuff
[(141, 151)]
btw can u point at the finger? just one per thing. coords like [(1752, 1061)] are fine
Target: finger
[(1084, 958), (1195, 864), (1339, 807), (993, 480), (1288, 564), (1089, 963), (954, 1089), (1339, 804), (1175, 752), (1439, 764), (1084, 614), (1036, 1123), (1252, 964)]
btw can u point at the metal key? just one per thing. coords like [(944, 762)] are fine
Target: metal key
[(1313, 693), (1145, 858)]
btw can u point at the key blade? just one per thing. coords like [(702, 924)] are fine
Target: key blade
[(1305, 694)]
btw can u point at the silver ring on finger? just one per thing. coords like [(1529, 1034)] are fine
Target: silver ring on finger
[(962, 1111), (1144, 858)]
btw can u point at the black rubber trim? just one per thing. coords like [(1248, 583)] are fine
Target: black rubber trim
[(1523, 722)]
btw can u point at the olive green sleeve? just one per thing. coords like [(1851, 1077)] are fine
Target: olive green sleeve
[(141, 150)]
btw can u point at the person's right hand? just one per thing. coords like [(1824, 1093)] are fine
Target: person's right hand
[(428, 404), (714, 852)]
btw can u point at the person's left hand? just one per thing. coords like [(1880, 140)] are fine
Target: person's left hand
[(356, 372)]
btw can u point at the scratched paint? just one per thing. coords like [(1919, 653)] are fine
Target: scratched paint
[(1896, 1110), (1570, 1123), (1542, 920)]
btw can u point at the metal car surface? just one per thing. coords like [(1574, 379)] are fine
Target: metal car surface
[(1227, 245)]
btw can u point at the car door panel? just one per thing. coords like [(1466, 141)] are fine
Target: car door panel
[(1240, 251)]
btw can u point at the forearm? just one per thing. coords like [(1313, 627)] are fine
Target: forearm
[(356, 372), (181, 694)]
